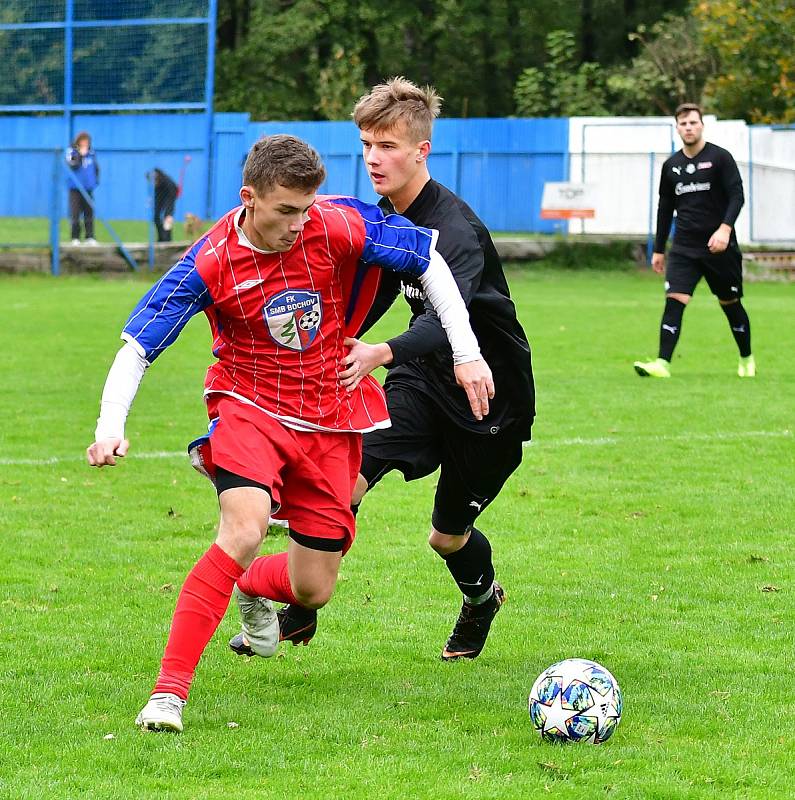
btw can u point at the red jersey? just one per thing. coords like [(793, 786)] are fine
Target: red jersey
[(279, 319)]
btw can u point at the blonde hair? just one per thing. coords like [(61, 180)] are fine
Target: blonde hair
[(398, 100)]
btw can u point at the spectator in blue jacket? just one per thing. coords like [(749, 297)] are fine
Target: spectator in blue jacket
[(82, 160)]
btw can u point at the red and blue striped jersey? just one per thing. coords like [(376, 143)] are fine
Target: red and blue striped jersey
[(278, 319)]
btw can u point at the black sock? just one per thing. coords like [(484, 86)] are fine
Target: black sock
[(670, 327), (471, 566), (740, 325)]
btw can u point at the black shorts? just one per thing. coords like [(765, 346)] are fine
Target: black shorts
[(474, 467), (723, 272)]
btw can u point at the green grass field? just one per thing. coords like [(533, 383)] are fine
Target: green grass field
[(36, 230), (650, 527)]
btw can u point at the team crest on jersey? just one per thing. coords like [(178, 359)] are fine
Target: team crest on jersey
[(293, 317)]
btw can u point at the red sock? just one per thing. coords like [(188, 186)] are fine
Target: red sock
[(268, 577), (201, 605)]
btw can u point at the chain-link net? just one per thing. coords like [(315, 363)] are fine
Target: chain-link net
[(125, 52)]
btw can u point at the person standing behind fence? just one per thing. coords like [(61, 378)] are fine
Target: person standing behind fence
[(702, 184), (82, 160), (166, 193)]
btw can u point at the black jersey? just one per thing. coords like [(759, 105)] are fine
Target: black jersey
[(705, 191), (422, 355)]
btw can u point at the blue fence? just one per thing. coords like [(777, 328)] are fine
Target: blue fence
[(499, 166)]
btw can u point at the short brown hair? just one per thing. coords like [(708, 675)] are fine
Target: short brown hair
[(285, 161), (398, 100), (686, 108), (82, 136)]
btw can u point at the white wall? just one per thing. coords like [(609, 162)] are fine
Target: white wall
[(623, 156), (771, 215)]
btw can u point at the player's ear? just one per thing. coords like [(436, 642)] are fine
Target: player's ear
[(247, 196), (423, 150)]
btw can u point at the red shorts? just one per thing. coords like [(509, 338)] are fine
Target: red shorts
[(311, 474)]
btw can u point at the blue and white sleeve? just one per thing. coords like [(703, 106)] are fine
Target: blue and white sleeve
[(166, 308), (393, 242)]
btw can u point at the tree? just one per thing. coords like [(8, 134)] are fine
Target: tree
[(561, 88), (753, 42), (673, 67), (280, 59)]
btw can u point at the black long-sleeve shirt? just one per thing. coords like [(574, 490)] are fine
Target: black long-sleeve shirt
[(705, 191), (422, 355)]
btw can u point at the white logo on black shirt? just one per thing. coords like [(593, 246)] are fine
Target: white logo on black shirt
[(677, 170), (690, 169), (411, 292), (687, 188)]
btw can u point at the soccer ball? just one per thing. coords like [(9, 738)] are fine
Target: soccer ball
[(575, 700)]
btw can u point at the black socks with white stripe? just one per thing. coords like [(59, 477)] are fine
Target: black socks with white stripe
[(472, 569)]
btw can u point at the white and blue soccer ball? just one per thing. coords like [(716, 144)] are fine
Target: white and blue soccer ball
[(575, 700)]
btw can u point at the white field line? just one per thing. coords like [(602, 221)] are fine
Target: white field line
[(577, 441), (676, 437)]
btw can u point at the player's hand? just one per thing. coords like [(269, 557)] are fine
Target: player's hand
[(475, 379), (658, 262), (361, 360), (106, 451), (719, 241)]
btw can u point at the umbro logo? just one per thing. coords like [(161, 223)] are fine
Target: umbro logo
[(248, 284)]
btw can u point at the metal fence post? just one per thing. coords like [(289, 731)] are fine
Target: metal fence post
[(650, 237), (151, 224), (55, 216)]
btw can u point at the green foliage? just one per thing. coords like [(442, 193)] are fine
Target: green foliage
[(272, 70), (562, 88), (340, 84), (649, 527), (672, 68), (754, 43)]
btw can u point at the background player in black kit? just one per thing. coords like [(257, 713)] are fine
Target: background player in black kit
[(702, 184), (430, 424)]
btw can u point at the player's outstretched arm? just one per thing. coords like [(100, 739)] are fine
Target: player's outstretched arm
[(121, 386)]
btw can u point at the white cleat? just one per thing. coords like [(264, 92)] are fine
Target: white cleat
[(163, 712), (75, 242), (92, 242), (260, 626)]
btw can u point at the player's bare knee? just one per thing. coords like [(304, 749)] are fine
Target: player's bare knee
[(729, 302), (444, 544), (240, 538), (315, 596), (684, 299)]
